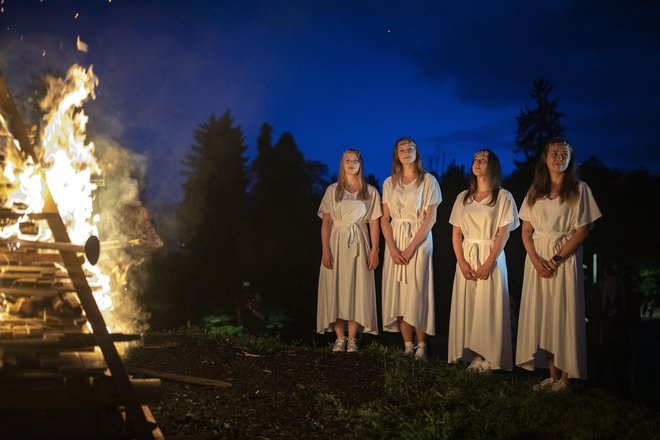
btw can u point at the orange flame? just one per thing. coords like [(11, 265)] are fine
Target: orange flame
[(67, 160)]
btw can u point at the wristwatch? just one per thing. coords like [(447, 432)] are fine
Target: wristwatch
[(557, 258)]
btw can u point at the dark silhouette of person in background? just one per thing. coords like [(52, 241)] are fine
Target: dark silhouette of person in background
[(615, 309), (250, 314)]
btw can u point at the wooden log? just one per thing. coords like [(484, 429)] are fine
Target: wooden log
[(20, 305), (179, 377), (36, 292), (33, 257), (157, 433), (51, 360), (19, 332), (35, 331), (51, 336), (41, 269), (5, 332), (65, 342)]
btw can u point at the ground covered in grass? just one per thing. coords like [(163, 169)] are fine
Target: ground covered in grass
[(280, 391)]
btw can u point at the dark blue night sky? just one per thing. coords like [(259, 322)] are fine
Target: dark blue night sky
[(336, 74)]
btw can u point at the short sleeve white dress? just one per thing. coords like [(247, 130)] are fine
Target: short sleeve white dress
[(408, 289), (347, 291), (480, 318), (552, 309)]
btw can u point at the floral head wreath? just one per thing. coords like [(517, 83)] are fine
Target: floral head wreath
[(484, 152), (563, 144), (354, 151)]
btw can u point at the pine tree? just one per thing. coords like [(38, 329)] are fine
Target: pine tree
[(214, 212), (536, 126), (286, 192)]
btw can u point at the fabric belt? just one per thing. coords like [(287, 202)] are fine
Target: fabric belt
[(353, 235), (557, 239), (403, 233)]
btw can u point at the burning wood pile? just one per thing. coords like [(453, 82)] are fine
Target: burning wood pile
[(56, 352)]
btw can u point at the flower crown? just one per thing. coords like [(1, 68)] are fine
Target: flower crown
[(354, 151), (484, 152), (563, 144)]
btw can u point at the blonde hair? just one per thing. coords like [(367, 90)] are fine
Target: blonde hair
[(397, 166), (363, 192)]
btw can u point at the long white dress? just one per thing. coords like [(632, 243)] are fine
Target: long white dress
[(552, 309), (408, 289), (347, 291), (480, 318)]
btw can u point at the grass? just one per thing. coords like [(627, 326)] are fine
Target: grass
[(433, 400), (259, 344)]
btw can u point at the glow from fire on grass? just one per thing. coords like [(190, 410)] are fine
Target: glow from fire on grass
[(68, 163)]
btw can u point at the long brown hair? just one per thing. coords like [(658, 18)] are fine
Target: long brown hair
[(494, 176), (363, 192), (542, 184), (397, 166)]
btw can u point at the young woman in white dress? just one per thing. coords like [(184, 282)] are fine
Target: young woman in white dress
[(346, 290), (410, 203), (556, 213), (482, 218)]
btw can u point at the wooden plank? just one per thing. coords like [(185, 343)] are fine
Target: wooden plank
[(37, 292), (34, 257), (64, 341), (180, 377), (157, 433)]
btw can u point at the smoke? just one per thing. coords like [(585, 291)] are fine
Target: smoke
[(117, 198)]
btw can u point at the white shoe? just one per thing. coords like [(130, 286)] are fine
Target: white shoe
[(485, 367), (352, 346), (561, 386), (420, 352), (409, 349), (546, 384), (476, 363), (340, 345)]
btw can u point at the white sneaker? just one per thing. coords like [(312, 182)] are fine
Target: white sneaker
[(409, 349), (544, 384), (476, 363), (352, 346), (561, 386), (485, 367), (340, 345), (420, 352)]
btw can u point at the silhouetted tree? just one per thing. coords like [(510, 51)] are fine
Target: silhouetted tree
[(214, 212), (535, 127), (286, 192)]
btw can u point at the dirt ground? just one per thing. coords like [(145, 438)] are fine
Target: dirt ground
[(272, 396)]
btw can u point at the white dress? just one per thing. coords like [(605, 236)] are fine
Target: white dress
[(347, 291), (552, 309), (408, 289), (480, 318)]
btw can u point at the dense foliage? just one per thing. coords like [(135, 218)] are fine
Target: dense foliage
[(256, 221)]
